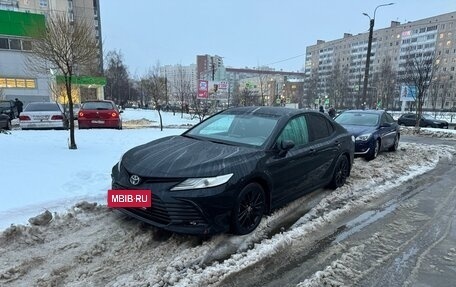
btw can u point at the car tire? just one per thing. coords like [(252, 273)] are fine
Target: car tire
[(373, 152), (341, 172), (395, 144), (249, 207)]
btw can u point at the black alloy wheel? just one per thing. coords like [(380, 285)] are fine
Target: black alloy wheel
[(395, 144), (341, 172), (249, 208), (374, 150)]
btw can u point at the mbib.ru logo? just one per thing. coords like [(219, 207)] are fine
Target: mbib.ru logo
[(129, 198)]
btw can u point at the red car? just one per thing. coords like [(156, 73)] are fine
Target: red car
[(99, 114)]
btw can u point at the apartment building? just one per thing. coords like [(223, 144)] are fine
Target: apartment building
[(16, 79), (390, 47)]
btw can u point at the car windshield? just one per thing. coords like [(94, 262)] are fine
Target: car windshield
[(5, 105), (359, 119), (97, 106), (41, 107), (229, 128)]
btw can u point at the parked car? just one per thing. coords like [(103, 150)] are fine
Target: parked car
[(5, 122), (76, 108), (374, 131), (99, 114), (9, 108), (43, 115), (226, 172), (425, 121)]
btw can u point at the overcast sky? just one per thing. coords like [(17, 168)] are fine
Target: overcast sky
[(247, 33)]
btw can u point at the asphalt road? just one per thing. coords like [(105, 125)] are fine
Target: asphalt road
[(407, 238)]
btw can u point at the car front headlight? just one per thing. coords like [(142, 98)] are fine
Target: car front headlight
[(363, 137), (202, 182), (8, 111)]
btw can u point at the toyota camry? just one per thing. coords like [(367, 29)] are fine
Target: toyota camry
[(228, 171)]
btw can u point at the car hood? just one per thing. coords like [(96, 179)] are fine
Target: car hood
[(359, 130), (179, 156), (437, 121)]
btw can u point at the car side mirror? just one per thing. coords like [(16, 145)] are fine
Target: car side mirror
[(385, 125), (284, 146)]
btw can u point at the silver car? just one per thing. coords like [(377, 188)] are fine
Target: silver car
[(43, 115)]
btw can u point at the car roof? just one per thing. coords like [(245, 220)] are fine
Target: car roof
[(267, 110), (42, 103), (366, 111), (98, 101)]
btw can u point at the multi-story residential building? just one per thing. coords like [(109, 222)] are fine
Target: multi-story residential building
[(391, 47), (180, 79), (15, 38), (210, 68), (265, 86)]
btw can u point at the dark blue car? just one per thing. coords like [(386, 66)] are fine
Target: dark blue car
[(374, 131)]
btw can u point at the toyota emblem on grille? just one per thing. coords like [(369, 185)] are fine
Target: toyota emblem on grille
[(134, 179)]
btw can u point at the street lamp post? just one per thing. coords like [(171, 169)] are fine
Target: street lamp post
[(369, 46)]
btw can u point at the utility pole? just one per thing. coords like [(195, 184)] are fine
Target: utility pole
[(369, 47)]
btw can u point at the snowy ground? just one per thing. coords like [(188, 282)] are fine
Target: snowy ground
[(90, 245)]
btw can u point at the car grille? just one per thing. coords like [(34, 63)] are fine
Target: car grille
[(177, 212)]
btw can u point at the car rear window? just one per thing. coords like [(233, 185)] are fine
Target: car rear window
[(40, 107), (5, 104), (358, 118), (97, 106)]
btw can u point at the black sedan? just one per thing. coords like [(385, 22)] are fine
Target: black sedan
[(374, 131), (5, 122), (425, 121), (226, 172)]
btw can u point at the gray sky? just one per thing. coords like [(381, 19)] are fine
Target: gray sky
[(247, 33)]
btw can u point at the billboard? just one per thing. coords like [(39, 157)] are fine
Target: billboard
[(408, 93), (212, 88), (203, 89)]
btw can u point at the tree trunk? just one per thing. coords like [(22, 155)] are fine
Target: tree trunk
[(72, 143)]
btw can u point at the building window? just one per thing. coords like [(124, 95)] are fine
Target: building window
[(43, 3), (15, 44), (26, 45), (4, 43), (30, 84), (20, 83)]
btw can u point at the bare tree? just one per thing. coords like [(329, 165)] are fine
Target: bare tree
[(118, 83), (385, 82), (67, 47), (263, 88), (155, 87), (183, 88), (419, 72), (311, 88), (199, 106)]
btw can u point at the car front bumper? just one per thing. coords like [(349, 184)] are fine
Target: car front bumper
[(362, 147), (198, 212)]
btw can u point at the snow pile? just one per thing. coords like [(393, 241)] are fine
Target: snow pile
[(429, 132)]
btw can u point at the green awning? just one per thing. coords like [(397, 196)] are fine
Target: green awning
[(83, 80)]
